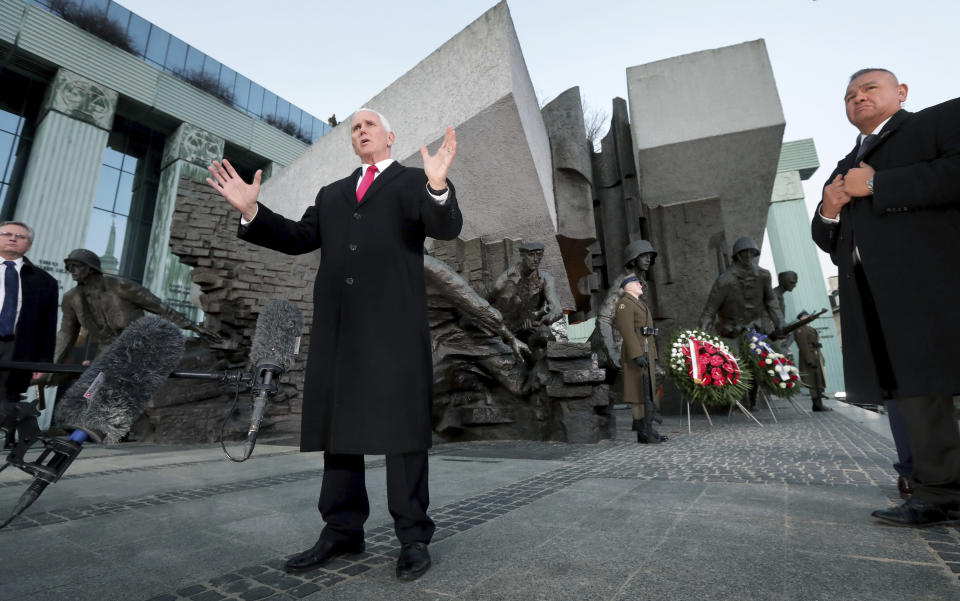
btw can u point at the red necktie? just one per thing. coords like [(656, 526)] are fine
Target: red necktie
[(366, 181)]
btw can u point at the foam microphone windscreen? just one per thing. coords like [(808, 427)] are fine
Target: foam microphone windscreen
[(276, 339), (133, 368)]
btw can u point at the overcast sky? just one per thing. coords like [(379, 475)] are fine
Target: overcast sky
[(330, 56)]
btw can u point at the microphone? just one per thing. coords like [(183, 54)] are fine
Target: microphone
[(134, 367), (107, 398), (275, 345)]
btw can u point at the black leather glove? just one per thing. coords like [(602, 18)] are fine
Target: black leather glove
[(641, 361)]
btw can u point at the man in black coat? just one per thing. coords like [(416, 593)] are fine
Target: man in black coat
[(28, 317), (369, 379), (890, 219)]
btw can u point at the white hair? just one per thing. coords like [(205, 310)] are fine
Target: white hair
[(383, 120)]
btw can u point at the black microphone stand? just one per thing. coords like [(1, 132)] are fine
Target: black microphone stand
[(18, 421)]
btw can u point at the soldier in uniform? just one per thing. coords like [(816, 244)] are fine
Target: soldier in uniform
[(811, 362), (742, 299), (637, 357), (639, 257), (105, 305)]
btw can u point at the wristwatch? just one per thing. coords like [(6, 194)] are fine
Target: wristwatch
[(870, 185)]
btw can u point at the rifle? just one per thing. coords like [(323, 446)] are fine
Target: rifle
[(650, 409), (785, 330)]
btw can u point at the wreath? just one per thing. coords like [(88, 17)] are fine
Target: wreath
[(777, 374), (706, 370)]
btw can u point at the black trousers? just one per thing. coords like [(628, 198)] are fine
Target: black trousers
[(345, 507), (934, 440)]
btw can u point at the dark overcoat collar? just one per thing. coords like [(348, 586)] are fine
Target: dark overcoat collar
[(896, 120), (350, 192)]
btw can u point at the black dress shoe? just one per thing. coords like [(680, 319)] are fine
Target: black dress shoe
[(917, 514), (414, 561), (321, 553)]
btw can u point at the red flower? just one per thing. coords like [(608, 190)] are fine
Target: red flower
[(709, 348), (705, 380), (716, 360), (685, 350), (727, 366), (716, 374)]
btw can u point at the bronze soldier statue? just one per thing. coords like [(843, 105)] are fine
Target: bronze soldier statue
[(526, 296), (742, 299), (639, 257), (786, 282), (634, 322), (105, 305), (811, 362)]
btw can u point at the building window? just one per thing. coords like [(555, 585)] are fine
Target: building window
[(119, 230), (19, 105)]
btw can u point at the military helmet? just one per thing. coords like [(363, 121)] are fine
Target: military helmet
[(745, 243), (530, 247), (637, 248), (87, 257)]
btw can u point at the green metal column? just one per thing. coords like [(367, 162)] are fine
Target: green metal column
[(188, 152), (60, 181), (788, 229)]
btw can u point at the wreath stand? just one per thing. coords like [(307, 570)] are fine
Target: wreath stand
[(736, 404), (705, 412)]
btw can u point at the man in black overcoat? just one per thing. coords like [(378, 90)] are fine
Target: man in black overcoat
[(368, 388), (28, 318), (890, 219)]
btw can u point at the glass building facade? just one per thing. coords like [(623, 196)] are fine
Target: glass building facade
[(173, 55)]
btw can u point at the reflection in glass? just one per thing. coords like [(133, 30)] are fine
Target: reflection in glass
[(116, 13), (112, 157), (255, 103), (107, 188), (157, 46), (138, 31), (241, 91), (176, 55), (283, 109), (6, 148), (194, 60), (98, 233), (9, 122), (269, 104), (100, 5), (124, 194)]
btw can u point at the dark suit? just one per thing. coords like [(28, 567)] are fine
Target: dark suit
[(36, 330), (899, 301), (368, 388)]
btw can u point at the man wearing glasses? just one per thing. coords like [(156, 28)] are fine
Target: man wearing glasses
[(28, 312)]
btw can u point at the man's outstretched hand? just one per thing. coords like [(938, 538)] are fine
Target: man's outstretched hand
[(241, 195), (436, 166)]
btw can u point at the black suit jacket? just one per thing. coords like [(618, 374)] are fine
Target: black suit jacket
[(369, 377), (36, 331), (908, 238)]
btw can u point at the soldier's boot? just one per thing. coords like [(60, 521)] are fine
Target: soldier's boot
[(638, 427), (818, 404)]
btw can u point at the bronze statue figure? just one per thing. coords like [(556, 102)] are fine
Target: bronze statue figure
[(105, 305), (742, 297), (527, 296)]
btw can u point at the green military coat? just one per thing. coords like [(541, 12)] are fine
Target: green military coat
[(810, 358), (631, 315)]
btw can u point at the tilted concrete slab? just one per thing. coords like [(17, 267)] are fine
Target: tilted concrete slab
[(709, 124), (478, 83)]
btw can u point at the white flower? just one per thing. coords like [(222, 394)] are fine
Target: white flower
[(782, 385), (753, 345), (768, 361)]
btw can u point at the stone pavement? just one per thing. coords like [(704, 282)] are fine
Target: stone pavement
[(733, 511)]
